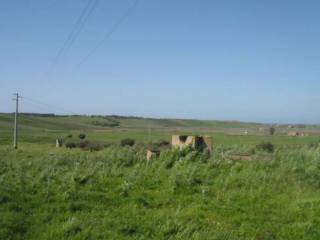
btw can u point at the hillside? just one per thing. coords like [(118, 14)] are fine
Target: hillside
[(45, 129), (92, 122), (113, 192)]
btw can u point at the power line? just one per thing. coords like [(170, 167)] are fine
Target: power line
[(82, 24), (77, 28), (110, 32), (17, 115), (15, 131), (50, 106), (39, 107)]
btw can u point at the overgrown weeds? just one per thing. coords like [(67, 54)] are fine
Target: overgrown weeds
[(114, 193)]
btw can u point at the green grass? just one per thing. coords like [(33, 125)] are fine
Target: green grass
[(36, 129), (50, 193)]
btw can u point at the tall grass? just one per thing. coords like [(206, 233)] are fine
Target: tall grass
[(50, 193)]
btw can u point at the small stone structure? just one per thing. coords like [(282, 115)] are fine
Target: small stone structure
[(298, 134), (199, 143), (58, 143), (293, 134), (152, 153)]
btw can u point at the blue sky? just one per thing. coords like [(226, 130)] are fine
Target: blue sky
[(243, 60)]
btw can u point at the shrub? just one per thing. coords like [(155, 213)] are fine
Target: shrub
[(92, 146), (272, 131), (127, 142), (83, 144), (140, 146), (265, 146), (162, 143), (69, 136), (71, 145), (82, 136), (96, 146), (124, 189), (170, 157), (105, 124), (313, 145)]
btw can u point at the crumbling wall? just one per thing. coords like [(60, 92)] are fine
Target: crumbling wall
[(199, 143), (58, 143), (209, 142), (175, 140), (293, 134), (151, 154)]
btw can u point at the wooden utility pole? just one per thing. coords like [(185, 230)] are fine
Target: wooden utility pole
[(15, 131)]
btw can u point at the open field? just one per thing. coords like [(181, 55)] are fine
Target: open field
[(60, 193), (183, 163), (37, 129)]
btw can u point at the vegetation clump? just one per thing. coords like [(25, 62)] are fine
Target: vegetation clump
[(86, 145), (266, 147), (162, 143), (82, 136), (76, 194), (127, 142), (71, 145), (83, 144), (272, 131), (159, 145)]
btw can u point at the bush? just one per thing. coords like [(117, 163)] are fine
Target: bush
[(127, 142), (313, 145), (87, 145), (82, 136), (162, 143), (69, 136), (159, 145), (140, 147), (170, 157), (97, 146), (265, 146), (71, 145), (272, 131), (105, 124), (83, 144)]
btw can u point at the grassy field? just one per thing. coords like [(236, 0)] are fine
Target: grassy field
[(37, 129), (115, 193)]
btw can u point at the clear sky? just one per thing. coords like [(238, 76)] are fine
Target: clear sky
[(246, 60)]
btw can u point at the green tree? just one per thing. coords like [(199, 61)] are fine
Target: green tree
[(272, 131)]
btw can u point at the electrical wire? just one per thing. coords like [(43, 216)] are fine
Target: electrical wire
[(77, 28), (110, 32), (50, 106)]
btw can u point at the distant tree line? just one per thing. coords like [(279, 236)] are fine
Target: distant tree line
[(38, 114)]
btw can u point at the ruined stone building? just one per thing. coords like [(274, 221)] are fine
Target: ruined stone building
[(199, 143)]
